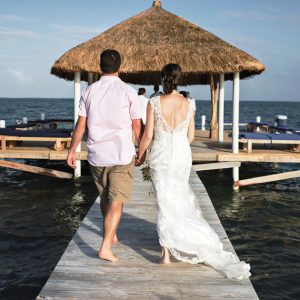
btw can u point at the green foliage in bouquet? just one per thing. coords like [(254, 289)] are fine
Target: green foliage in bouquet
[(146, 173)]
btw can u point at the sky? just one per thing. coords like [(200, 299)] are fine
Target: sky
[(34, 33)]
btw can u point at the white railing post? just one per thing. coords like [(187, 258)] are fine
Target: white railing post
[(258, 119), (203, 120), (221, 109), (235, 121), (77, 94)]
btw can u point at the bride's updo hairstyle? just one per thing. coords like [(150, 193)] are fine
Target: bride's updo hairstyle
[(170, 77)]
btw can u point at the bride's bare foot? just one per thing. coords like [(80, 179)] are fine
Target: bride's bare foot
[(165, 256), (107, 255), (164, 261)]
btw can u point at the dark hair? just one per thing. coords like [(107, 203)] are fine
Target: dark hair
[(184, 94), (110, 61), (156, 88), (141, 91), (170, 76)]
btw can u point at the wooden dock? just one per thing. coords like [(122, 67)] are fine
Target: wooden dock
[(137, 275), (204, 150)]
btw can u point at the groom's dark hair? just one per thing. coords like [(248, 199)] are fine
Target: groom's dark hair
[(110, 61)]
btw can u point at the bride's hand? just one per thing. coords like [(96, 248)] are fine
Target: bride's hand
[(139, 159)]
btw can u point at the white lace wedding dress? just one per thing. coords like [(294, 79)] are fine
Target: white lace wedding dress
[(180, 224)]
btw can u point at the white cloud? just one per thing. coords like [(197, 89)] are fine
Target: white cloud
[(20, 76), (16, 18), (14, 33)]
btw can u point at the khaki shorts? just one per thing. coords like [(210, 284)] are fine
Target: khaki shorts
[(114, 183)]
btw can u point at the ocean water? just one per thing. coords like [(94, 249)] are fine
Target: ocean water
[(39, 214)]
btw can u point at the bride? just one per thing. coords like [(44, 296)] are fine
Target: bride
[(182, 230)]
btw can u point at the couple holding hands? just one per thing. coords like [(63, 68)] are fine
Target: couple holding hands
[(110, 110)]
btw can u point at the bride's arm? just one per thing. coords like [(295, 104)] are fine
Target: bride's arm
[(191, 129), (148, 132)]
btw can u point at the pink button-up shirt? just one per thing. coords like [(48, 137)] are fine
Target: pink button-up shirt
[(109, 105)]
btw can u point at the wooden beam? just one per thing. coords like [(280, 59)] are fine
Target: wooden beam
[(287, 157), (268, 178), (216, 166), (214, 107), (37, 170)]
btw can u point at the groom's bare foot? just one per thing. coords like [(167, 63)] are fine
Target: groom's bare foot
[(107, 255)]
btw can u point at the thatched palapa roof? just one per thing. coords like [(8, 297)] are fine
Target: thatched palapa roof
[(152, 39)]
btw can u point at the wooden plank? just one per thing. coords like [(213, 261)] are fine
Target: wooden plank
[(216, 166), (33, 169), (281, 142), (250, 142), (35, 139), (268, 178), (230, 124), (137, 275), (260, 157)]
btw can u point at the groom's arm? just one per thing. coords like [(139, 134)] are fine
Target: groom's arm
[(137, 129), (76, 139)]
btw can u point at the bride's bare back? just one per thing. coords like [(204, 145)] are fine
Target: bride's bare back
[(174, 109)]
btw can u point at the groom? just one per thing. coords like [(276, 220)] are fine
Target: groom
[(110, 110)]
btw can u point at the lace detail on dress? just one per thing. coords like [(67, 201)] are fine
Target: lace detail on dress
[(180, 224)]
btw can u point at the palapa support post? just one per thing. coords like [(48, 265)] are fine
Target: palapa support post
[(235, 124), (77, 94), (90, 78), (214, 107), (221, 109)]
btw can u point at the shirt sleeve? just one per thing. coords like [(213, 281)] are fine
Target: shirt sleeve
[(82, 104), (135, 109)]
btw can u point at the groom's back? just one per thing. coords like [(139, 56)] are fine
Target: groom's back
[(109, 105)]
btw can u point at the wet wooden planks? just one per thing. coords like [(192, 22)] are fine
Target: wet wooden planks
[(81, 275)]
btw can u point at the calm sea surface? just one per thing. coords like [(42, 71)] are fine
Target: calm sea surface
[(39, 214)]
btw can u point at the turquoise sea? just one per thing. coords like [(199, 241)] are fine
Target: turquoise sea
[(39, 214)]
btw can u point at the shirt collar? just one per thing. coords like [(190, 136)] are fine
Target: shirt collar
[(107, 77)]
